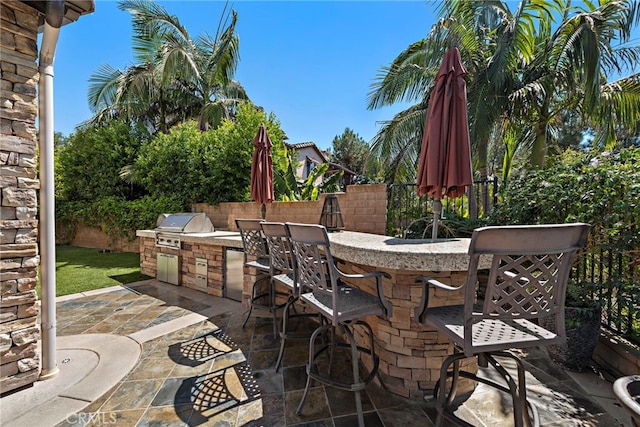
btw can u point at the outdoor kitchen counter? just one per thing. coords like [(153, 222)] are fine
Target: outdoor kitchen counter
[(229, 239), (410, 353), (196, 260)]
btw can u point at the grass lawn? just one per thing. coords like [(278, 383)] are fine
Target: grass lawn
[(84, 269)]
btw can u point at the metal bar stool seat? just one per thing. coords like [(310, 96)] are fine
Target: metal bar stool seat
[(282, 260), (342, 306), (525, 293)]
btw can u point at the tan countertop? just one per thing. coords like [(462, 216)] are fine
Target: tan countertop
[(374, 250), (229, 239), (388, 252)]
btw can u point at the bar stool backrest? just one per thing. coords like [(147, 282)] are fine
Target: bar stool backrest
[(279, 245), (530, 268), (252, 238), (315, 265)]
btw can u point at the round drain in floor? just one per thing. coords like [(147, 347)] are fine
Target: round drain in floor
[(66, 360)]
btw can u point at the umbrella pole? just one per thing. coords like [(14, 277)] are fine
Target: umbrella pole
[(437, 210), (263, 210)]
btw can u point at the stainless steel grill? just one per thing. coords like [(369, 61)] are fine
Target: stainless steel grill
[(169, 227)]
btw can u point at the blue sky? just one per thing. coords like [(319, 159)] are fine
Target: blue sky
[(311, 63)]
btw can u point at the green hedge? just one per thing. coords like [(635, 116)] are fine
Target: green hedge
[(117, 217), (604, 191)]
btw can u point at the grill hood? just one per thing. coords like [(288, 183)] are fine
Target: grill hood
[(184, 223)]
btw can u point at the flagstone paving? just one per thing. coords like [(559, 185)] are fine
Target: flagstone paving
[(199, 369)]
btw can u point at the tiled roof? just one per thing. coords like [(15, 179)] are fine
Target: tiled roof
[(302, 145), (310, 144)]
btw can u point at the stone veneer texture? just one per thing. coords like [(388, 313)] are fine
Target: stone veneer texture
[(19, 260)]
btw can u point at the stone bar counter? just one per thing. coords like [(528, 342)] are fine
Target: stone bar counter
[(410, 353)]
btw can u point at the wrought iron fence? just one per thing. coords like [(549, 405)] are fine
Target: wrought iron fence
[(612, 277), (611, 273), (409, 215)]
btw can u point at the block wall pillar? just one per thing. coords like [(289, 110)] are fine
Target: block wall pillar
[(19, 259)]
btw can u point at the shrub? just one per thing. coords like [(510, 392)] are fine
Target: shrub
[(117, 217), (209, 167), (165, 174), (88, 165), (176, 163), (604, 191)]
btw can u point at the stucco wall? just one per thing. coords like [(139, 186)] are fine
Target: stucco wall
[(19, 260)]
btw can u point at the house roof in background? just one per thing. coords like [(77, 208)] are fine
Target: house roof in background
[(309, 144), (302, 145)]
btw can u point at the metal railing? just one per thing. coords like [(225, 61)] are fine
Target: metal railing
[(611, 274), (611, 277), (408, 214)]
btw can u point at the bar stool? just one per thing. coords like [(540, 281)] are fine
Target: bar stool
[(525, 292), (256, 255), (342, 306), (283, 272)]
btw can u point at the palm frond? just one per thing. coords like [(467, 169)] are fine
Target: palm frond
[(619, 109), (222, 51), (398, 143), (403, 80), (103, 87), (177, 60)]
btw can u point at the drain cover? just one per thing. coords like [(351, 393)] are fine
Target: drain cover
[(66, 360)]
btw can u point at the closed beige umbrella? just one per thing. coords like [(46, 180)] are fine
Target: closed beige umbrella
[(444, 168)]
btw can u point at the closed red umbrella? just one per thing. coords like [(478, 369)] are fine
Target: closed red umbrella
[(444, 168), (262, 170)]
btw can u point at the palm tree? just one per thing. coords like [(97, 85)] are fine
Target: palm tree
[(476, 29), (520, 69), (408, 79), (175, 78), (569, 72)]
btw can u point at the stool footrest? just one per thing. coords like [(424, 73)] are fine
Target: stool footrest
[(524, 412)]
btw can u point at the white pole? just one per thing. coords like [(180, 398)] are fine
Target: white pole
[(53, 22)]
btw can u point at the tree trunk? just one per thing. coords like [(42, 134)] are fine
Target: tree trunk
[(539, 148), (473, 204), (482, 169)]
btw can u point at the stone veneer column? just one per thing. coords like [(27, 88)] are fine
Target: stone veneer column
[(19, 260)]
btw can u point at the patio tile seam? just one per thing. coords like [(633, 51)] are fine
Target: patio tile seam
[(158, 330), (93, 292)]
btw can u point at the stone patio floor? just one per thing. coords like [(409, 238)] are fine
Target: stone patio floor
[(199, 369)]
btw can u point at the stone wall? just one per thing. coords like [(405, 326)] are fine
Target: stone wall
[(213, 254), (19, 260), (92, 237), (363, 207), (410, 353)]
